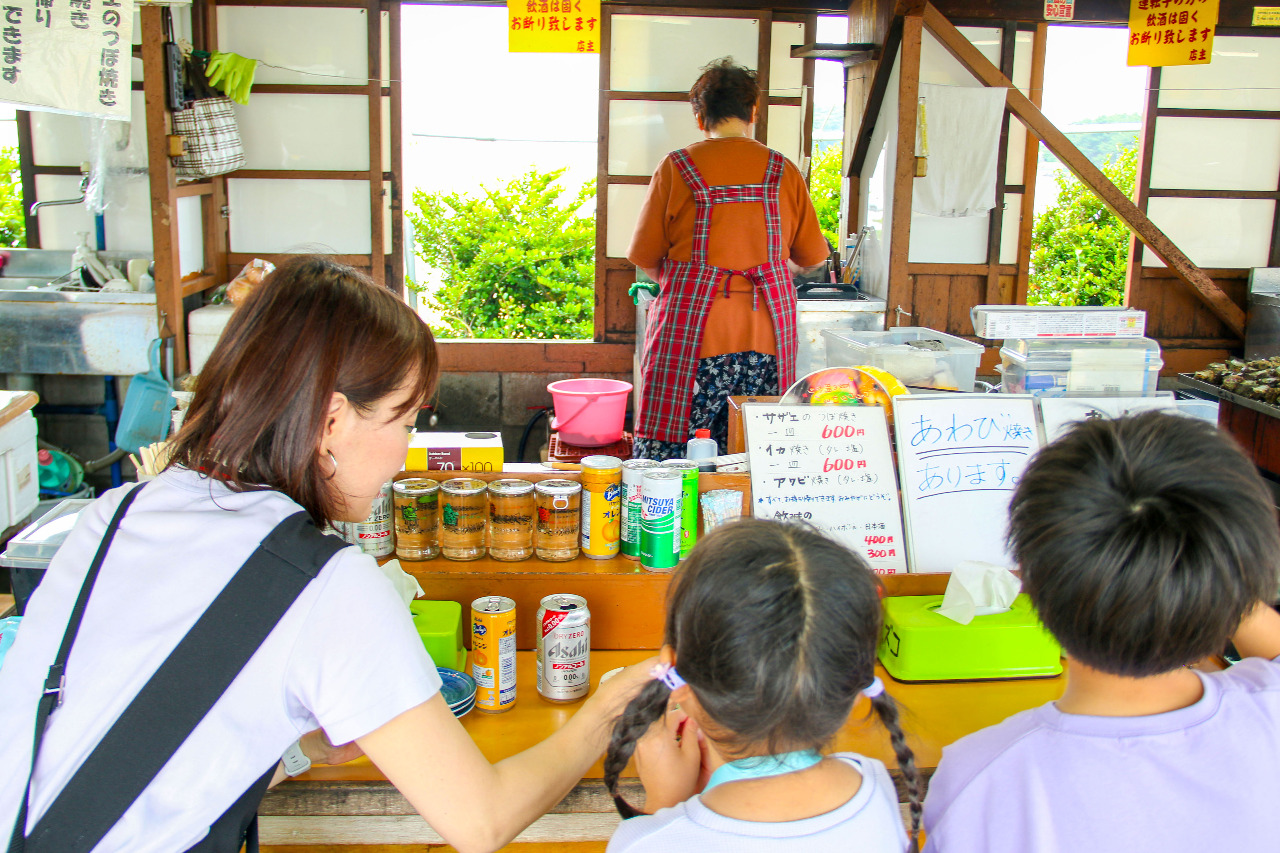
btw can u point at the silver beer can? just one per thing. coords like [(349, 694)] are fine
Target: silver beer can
[(374, 534), (564, 648)]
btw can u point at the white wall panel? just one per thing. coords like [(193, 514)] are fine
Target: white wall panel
[(625, 201), (786, 75), (1214, 232), (666, 53), (286, 215), (305, 131), (310, 45), (641, 133), (1244, 75), (1216, 154)]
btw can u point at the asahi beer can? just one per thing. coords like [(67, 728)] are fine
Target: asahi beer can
[(632, 481), (688, 504), (373, 535), (493, 653), (660, 510), (564, 648)]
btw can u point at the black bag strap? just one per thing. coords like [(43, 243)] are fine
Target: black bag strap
[(56, 678), (181, 692)]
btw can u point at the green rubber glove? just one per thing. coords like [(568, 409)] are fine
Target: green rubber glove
[(216, 68), (634, 290)]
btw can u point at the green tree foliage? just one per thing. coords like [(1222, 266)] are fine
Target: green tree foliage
[(13, 224), (517, 262), (824, 190), (1079, 249)]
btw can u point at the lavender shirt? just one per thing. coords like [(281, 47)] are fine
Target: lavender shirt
[(1202, 778)]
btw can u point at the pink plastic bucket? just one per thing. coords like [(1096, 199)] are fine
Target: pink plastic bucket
[(589, 412)]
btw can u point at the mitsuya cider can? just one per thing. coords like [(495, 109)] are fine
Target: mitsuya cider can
[(493, 653), (688, 502), (660, 510), (564, 648), (632, 487)]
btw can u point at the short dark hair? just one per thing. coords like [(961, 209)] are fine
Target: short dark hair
[(725, 90), (775, 629), (312, 328), (1144, 540)]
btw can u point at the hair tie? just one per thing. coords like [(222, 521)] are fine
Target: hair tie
[(666, 673), (874, 689)]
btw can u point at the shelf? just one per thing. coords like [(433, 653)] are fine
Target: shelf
[(850, 54)]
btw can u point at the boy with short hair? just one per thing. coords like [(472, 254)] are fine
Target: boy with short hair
[(1145, 543)]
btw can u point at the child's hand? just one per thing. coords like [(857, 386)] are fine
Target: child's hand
[(669, 760)]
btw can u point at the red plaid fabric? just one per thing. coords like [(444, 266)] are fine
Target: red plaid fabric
[(676, 317)]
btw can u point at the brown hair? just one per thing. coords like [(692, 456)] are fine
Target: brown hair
[(724, 91), (312, 328)]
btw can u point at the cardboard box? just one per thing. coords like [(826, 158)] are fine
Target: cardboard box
[(455, 451)]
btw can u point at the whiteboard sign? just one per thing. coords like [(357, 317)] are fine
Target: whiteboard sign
[(960, 457), (830, 466), (1059, 413)]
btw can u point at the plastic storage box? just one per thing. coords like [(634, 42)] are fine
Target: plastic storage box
[(29, 552), (950, 365), (204, 327), (917, 644), (1081, 367)]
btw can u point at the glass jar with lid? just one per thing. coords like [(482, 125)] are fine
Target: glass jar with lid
[(511, 514), (463, 507), (559, 503)]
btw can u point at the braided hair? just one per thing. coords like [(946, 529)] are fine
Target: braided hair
[(775, 629)]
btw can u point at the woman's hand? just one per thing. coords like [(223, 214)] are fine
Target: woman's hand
[(669, 760), (611, 697), (316, 746)]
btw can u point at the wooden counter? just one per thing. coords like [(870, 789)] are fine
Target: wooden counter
[(354, 804)]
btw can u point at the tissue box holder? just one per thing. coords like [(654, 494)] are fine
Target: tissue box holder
[(439, 624), (917, 644)]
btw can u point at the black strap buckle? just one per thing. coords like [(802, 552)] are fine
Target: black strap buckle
[(55, 684)]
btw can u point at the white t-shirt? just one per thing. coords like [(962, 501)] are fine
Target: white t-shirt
[(870, 822), (345, 656)]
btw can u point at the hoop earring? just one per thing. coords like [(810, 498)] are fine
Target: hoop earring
[(333, 460)]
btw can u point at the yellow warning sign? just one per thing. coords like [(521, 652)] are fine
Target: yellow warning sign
[(1266, 16), (1171, 32), (553, 26)]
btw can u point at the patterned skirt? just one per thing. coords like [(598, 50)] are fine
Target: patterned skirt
[(719, 377)]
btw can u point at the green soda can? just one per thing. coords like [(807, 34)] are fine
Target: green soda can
[(632, 486), (660, 519), (689, 505)]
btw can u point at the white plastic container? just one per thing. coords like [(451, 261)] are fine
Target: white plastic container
[(952, 368), (1081, 367), (204, 327), (19, 470), (997, 322)]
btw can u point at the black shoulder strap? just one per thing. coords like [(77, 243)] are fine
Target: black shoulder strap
[(185, 687)]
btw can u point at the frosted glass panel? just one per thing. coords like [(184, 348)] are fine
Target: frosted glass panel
[(190, 235), (939, 66), (1216, 154), (1244, 75), (948, 239), (784, 131), (666, 53), (1009, 228), (59, 140), (312, 45), (128, 214), (641, 133), (287, 215), (625, 201), (786, 75), (1215, 232), (1017, 151), (305, 131), (1022, 47)]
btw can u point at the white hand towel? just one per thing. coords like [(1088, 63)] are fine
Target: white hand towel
[(963, 126)]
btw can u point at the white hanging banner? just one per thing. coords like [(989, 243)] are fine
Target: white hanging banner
[(67, 56)]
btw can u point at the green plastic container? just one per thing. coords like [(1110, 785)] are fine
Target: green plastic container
[(439, 624), (919, 645)]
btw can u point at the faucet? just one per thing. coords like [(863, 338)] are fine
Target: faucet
[(84, 188)]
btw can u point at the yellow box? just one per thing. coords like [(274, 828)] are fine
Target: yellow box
[(455, 451)]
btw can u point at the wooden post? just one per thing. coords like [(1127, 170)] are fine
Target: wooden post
[(1119, 204), (1142, 180), (377, 227), (397, 153), (995, 225), (904, 172), (1030, 164)]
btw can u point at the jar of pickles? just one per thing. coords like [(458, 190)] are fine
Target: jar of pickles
[(416, 509), (511, 514), (463, 507), (559, 503)]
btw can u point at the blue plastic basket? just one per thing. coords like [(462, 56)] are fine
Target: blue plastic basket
[(144, 418)]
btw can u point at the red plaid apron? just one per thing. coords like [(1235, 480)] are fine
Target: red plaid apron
[(676, 317)]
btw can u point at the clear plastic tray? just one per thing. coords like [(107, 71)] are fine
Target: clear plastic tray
[(952, 368), (1081, 367)]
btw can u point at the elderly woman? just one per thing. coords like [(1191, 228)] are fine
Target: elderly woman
[(725, 223), (302, 413)]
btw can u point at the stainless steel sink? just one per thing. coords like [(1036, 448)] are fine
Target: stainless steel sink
[(48, 330)]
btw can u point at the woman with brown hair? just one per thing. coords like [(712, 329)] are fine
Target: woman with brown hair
[(302, 412), (725, 223)]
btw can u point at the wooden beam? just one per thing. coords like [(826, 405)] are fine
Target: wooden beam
[(196, 188), (995, 222), (1030, 162), (904, 171), (1218, 302), (763, 52), (27, 169), (875, 99), (1133, 272)]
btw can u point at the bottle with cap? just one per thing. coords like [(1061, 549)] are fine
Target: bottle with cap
[(702, 448)]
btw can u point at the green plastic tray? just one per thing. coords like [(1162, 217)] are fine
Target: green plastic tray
[(439, 623), (919, 645)]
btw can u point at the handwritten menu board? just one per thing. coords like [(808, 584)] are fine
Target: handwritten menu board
[(960, 457), (830, 466), (1060, 413)]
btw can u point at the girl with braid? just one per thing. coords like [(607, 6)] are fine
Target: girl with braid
[(770, 639)]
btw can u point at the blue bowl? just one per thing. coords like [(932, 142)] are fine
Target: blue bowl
[(457, 687), (463, 709)]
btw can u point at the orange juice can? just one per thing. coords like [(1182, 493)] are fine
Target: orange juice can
[(601, 506), (493, 653)]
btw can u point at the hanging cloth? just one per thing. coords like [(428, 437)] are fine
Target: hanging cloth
[(964, 140), (673, 338)]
